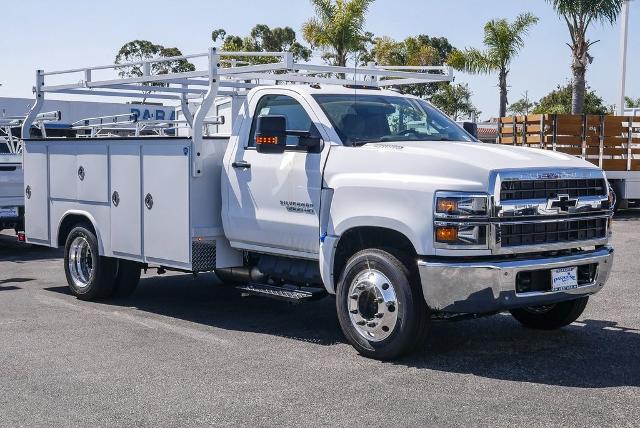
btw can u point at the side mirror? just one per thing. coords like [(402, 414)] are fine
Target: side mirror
[(471, 128), (311, 143), (271, 134)]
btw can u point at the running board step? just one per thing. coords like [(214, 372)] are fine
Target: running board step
[(295, 295)]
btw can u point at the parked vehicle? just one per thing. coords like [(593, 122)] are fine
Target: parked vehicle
[(11, 178), (326, 185)]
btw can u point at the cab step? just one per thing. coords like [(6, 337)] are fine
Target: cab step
[(286, 293)]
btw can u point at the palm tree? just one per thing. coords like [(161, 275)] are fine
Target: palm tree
[(338, 27), (579, 14), (503, 41)]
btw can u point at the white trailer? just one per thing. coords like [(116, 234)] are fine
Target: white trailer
[(327, 184)]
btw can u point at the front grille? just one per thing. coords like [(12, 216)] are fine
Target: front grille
[(549, 189), (513, 235)]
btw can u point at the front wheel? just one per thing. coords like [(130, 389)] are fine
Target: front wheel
[(551, 317), (380, 313), (89, 275)]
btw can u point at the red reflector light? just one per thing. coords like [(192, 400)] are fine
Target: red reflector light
[(22, 237), (266, 140)]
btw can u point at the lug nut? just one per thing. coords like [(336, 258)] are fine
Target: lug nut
[(379, 315), (361, 323), (360, 287), (380, 300), (372, 324)]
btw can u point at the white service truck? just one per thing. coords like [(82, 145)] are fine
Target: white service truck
[(329, 183)]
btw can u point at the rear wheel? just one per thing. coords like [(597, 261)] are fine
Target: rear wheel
[(551, 317), (89, 275), (127, 278), (380, 313)]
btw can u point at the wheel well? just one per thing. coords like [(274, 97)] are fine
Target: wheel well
[(360, 238), (69, 222)]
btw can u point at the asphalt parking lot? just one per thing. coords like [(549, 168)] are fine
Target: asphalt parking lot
[(190, 352)]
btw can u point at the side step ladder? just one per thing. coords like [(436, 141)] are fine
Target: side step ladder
[(287, 293)]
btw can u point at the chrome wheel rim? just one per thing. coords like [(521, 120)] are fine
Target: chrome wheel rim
[(373, 305), (80, 262)]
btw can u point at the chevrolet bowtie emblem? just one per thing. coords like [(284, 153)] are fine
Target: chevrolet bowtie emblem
[(562, 203)]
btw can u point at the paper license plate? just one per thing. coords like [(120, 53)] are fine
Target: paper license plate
[(564, 278), (8, 212)]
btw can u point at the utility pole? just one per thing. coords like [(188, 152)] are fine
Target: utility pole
[(624, 36)]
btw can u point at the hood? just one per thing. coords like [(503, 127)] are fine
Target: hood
[(440, 165), (489, 157)]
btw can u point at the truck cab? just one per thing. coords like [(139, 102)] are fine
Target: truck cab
[(330, 187)]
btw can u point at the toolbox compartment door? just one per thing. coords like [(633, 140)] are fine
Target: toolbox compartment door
[(126, 200), (165, 198), (36, 175)]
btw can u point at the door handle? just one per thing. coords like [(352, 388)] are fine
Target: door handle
[(241, 164)]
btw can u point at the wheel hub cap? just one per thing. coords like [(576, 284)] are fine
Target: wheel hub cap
[(80, 262), (373, 306)]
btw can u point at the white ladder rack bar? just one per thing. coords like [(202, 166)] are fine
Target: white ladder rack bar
[(232, 79)]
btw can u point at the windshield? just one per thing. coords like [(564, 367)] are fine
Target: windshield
[(362, 119)]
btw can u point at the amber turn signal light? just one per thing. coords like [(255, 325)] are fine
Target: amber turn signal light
[(267, 140), (447, 206), (446, 234)]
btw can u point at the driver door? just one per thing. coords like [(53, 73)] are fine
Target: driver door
[(274, 198)]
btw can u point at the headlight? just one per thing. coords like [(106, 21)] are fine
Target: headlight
[(461, 221), (451, 204)]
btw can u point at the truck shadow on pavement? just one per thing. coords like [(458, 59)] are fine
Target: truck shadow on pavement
[(588, 354), (19, 252), (205, 301)]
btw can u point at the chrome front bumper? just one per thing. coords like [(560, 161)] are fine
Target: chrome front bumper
[(490, 286)]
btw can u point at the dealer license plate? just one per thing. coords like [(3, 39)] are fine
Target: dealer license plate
[(8, 212), (564, 278)]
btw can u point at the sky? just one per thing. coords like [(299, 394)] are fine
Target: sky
[(76, 33)]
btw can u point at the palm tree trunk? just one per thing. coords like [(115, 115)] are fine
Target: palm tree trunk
[(503, 93), (579, 88)]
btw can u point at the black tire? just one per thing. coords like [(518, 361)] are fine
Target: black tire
[(557, 316), (127, 278), (101, 279), (413, 317)]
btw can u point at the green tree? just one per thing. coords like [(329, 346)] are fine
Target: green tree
[(338, 29), (579, 15), (631, 103), (144, 50), (455, 101), (503, 42), (559, 101), (521, 107), (263, 38), (420, 50)]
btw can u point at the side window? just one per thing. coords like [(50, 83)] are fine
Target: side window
[(283, 105)]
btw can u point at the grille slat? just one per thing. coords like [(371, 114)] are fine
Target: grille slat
[(512, 235), (548, 189)]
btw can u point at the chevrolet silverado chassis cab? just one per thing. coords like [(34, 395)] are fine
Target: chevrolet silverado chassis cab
[(329, 183)]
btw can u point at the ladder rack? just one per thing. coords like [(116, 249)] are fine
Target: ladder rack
[(9, 124), (130, 125), (226, 74)]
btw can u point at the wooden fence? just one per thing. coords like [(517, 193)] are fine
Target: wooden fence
[(611, 142)]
